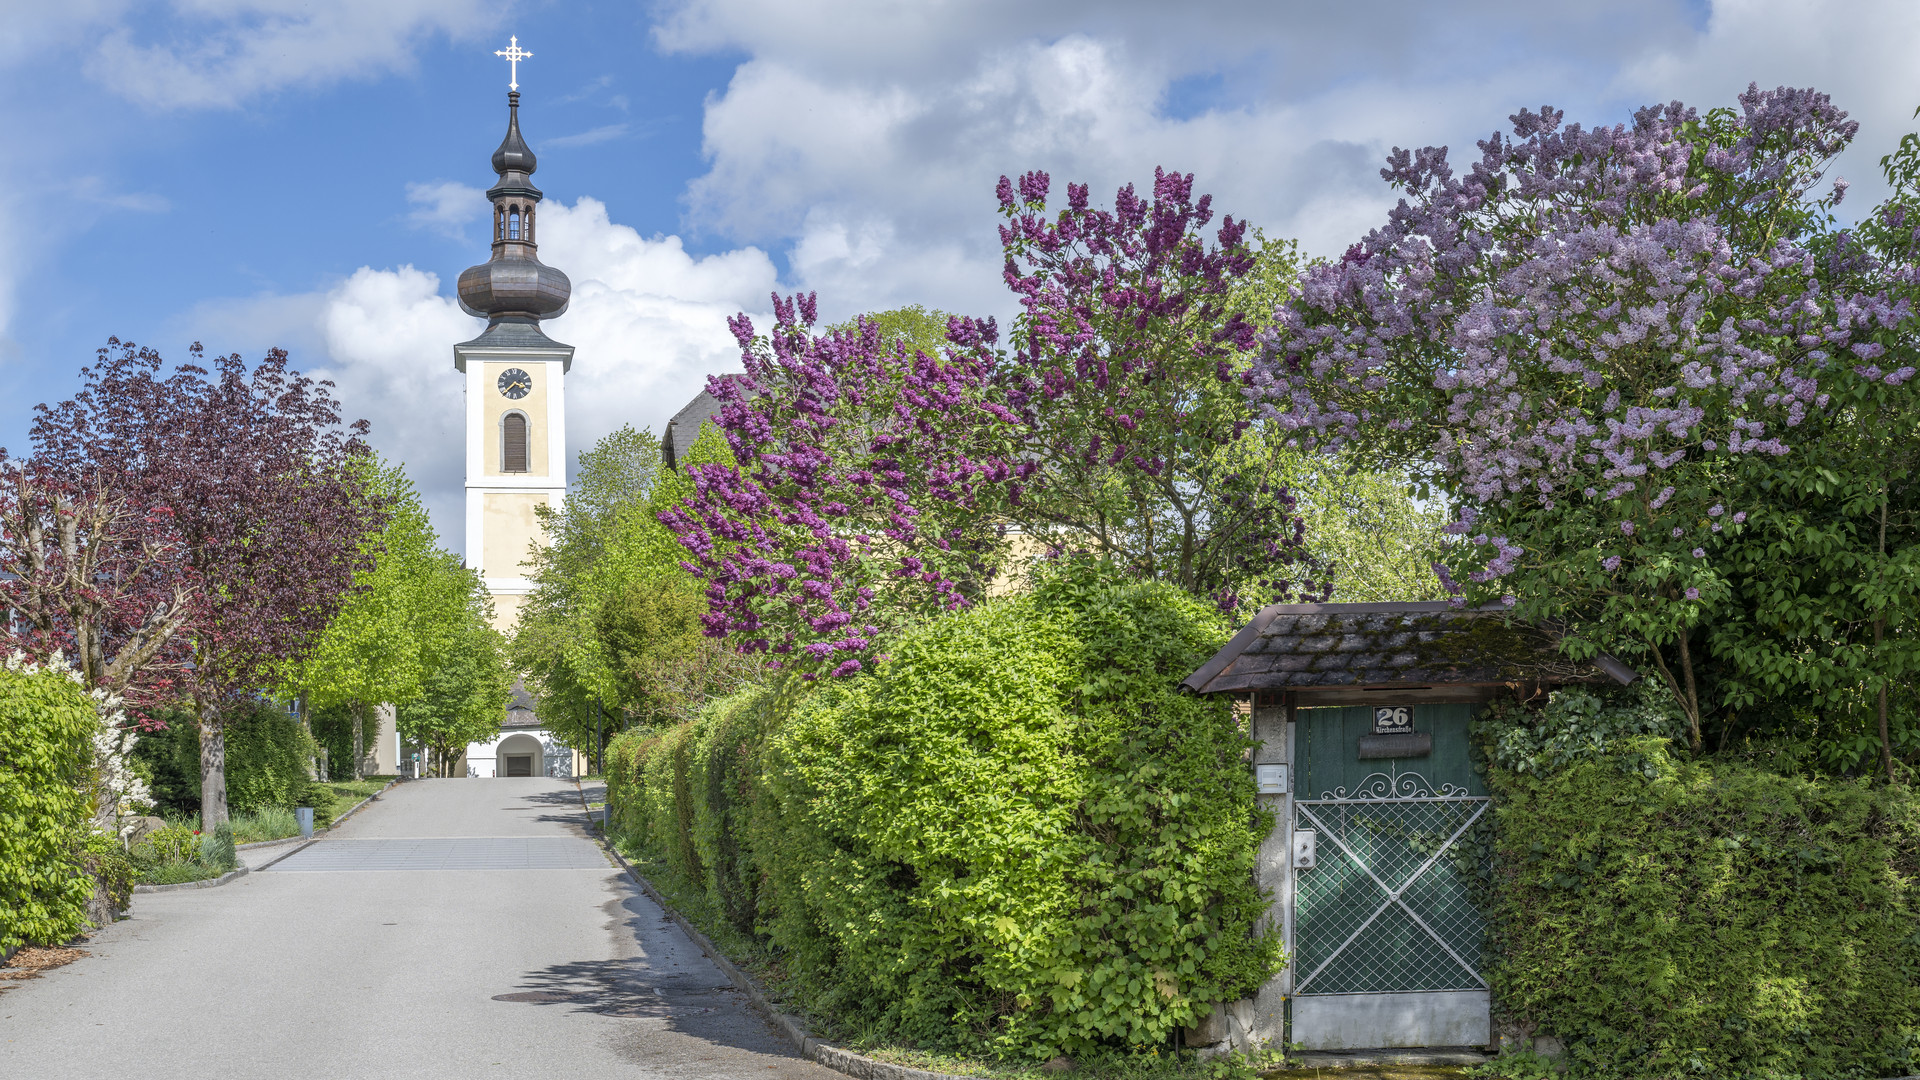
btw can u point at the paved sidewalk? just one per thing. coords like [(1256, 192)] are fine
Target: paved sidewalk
[(456, 928)]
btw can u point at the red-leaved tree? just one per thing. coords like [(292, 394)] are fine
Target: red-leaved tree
[(95, 579), (246, 469)]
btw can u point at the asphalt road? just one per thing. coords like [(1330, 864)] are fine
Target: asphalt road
[(455, 928)]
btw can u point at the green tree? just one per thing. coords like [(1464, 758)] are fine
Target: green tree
[(463, 695), (613, 634), (376, 649)]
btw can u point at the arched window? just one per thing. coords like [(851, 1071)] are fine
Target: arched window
[(513, 224), (513, 442), (499, 222), (527, 226)]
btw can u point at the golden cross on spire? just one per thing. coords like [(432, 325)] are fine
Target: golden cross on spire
[(514, 54)]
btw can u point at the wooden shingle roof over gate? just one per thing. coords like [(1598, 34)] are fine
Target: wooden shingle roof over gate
[(1366, 652)]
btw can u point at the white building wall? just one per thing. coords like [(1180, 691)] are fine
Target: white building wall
[(483, 759)]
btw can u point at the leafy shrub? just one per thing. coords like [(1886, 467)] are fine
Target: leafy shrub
[(722, 773), (267, 758), (171, 855), (46, 723), (170, 761), (216, 848), (1578, 724), (325, 802), (1669, 918), (106, 862), (173, 843), (1013, 836), (333, 730), (268, 754)]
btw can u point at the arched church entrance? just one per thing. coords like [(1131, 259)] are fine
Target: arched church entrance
[(521, 755)]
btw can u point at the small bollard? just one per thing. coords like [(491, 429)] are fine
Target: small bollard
[(305, 814)]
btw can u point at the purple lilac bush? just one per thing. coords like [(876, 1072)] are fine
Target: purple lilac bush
[(875, 483), (1576, 342)]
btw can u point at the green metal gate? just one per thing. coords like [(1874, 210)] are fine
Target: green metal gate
[(1397, 845)]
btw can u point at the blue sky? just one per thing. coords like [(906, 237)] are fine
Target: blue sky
[(258, 172)]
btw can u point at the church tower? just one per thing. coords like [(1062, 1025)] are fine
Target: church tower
[(516, 383)]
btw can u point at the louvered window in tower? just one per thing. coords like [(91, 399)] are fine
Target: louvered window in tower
[(513, 450)]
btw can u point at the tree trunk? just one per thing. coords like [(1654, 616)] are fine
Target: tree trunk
[(1689, 703), (1693, 694), (359, 739), (213, 770), (306, 725)]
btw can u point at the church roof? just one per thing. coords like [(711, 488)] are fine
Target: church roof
[(520, 708), (513, 334), (685, 426)]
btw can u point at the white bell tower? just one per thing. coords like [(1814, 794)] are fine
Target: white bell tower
[(516, 384)]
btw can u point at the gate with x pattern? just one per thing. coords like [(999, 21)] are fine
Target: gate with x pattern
[(1391, 836)]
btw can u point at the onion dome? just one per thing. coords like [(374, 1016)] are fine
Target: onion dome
[(514, 283), (513, 155)]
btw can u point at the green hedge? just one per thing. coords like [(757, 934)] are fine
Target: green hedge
[(267, 757), (46, 724), (1013, 837), (1670, 918)]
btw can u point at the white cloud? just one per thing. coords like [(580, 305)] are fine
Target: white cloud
[(1870, 73), (648, 322), (94, 190), (445, 206), (862, 138), (603, 133), (33, 28), (873, 168), (243, 48)]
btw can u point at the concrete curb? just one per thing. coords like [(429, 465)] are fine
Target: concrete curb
[(1373, 1059), (258, 844), (230, 875), (833, 1057)]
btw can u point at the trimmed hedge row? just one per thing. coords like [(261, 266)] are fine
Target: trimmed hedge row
[(1668, 918), (1013, 837)]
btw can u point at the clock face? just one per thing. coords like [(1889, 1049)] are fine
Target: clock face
[(515, 383)]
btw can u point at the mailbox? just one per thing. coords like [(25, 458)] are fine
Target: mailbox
[(1271, 779)]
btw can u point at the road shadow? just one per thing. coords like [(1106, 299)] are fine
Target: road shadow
[(620, 988), (562, 806)]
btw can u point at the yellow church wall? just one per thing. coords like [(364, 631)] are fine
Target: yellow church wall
[(499, 405), (506, 611), (509, 527)]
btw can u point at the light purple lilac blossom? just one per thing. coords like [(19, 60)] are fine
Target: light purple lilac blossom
[(1483, 316)]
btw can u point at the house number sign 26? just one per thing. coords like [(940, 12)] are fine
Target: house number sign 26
[(1393, 720)]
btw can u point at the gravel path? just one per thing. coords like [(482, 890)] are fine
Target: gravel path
[(456, 928)]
